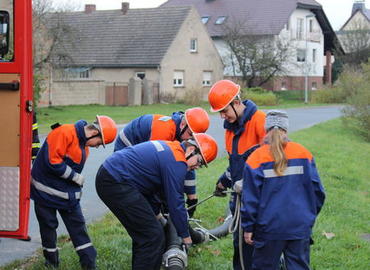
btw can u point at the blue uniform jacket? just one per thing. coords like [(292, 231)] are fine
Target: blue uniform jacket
[(240, 136), (155, 127), (62, 155), (281, 207), (155, 167)]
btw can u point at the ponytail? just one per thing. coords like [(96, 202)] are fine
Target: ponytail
[(277, 138)]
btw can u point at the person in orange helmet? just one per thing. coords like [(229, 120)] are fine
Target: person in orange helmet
[(129, 179), (180, 126), (57, 182), (244, 130)]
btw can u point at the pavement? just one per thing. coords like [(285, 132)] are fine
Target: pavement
[(93, 208)]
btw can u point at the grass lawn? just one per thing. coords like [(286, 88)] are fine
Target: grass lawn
[(343, 162)]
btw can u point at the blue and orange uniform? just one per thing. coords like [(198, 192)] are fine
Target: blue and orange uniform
[(151, 127), (59, 161), (267, 198), (126, 183), (240, 139)]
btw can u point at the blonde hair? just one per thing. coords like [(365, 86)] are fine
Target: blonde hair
[(277, 139)]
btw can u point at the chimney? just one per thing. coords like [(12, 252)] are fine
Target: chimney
[(358, 5), (125, 7), (89, 8)]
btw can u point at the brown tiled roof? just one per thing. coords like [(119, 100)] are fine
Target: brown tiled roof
[(262, 16), (107, 38)]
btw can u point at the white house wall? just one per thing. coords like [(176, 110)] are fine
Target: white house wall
[(292, 67), (313, 40)]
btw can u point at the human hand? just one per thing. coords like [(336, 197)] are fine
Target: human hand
[(220, 190), (78, 179), (186, 244), (248, 238)]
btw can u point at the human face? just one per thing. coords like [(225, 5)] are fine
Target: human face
[(228, 114), (94, 142), (187, 134), (195, 161)]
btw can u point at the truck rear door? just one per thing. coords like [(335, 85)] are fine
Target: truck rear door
[(15, 116)]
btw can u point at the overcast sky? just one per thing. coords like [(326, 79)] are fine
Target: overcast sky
[(337, 11)]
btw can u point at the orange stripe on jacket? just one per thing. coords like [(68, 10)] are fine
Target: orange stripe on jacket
[(253, 134), (163, 129), (178, 152), (292, 151), (64, 142)]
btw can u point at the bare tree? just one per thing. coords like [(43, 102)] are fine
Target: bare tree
[(50, 33), (257, 58)]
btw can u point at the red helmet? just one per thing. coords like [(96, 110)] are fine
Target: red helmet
[(207, 146), (107, 128), (197, 120), (221, 94)]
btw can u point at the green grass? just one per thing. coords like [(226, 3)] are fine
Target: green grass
[(343, 162)]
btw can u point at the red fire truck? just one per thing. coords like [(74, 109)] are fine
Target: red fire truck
[(15, 116)]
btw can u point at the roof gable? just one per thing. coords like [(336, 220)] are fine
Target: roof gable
[(108, 38)]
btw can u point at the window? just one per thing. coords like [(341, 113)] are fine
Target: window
[(205, 19), (301, 55), (313, 55), (314, 86), (299, 28), (220, 20), (84, 74), (310, 26), (193, 45), (178, 78), (207, 78), (140, 74)]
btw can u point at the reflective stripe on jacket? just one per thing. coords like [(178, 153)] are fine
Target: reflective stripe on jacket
[(281, 207), (62, 155)]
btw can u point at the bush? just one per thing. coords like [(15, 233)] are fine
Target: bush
[(267, 99), (291, 95), (328, 95), (357, 113)]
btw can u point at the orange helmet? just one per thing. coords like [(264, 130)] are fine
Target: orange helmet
[(197, 120), (207, 146), (107, 128), (221, 94)]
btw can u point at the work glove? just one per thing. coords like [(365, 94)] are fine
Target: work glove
[(219, 192), (78, 179), (191, 202), (238, 186)]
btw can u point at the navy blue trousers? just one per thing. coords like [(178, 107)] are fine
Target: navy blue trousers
[(75, 224), (136, 214), (267, 254), (247, 250)]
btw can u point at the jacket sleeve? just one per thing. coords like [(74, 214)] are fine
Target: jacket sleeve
[(173, 175), (190, 183), (225, 178), (58, 143), (35, 137), (252, 184), (318, 188)]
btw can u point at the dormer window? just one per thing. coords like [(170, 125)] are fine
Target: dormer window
[(220, 20), (205, 19)]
